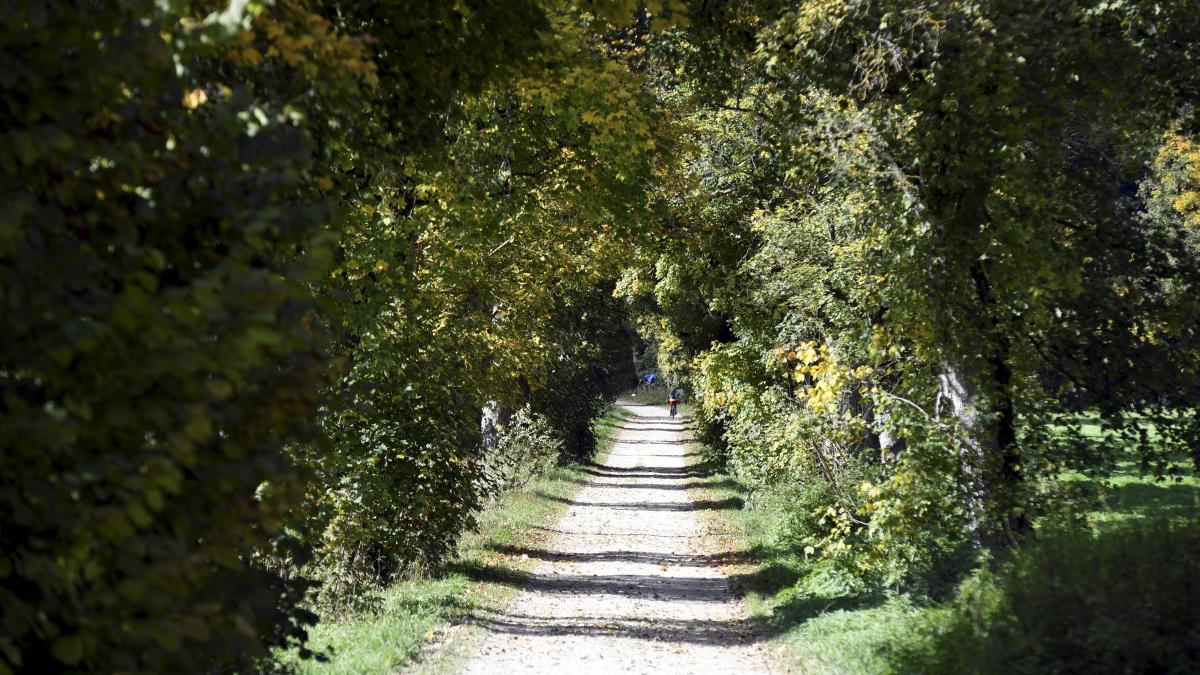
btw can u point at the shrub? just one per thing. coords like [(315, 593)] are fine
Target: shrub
[(1126, 601), (526, 448), (401, 483)]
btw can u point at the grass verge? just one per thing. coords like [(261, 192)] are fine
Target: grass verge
[(816, 621), (822, 622), (425, 624)]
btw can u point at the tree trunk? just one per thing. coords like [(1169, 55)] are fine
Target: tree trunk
[(975, 382), (493, 416), (489, 426)]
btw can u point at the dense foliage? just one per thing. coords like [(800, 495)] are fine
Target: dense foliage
[(156, 353), (465, 284), (263, 266)]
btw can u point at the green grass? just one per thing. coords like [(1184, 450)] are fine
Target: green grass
[(413, 623), (1127, 495), (825, 623), (821, 622)]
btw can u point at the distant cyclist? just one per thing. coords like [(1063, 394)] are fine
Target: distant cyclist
[(673, 400)]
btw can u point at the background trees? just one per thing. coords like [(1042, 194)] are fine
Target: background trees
[(463, 283)]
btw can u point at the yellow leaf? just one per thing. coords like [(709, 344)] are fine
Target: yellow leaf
[(194, 98)]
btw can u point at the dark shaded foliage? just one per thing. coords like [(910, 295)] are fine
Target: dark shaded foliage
[(155, 356), (1123, 601)]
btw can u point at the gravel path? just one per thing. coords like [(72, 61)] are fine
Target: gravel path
[(629, 580)]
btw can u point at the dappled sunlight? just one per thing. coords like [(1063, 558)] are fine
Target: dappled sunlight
[(629, 571)]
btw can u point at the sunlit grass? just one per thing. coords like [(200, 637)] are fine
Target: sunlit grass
[(1126, 493)]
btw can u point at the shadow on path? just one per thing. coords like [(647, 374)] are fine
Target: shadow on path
[(690, 505), (647, 557), (676, 426), (692, 484), (694, 631), (671, 574)]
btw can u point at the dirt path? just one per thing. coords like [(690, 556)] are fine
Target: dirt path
[(628, 582)]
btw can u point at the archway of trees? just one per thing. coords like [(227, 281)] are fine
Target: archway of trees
[(274, 273)]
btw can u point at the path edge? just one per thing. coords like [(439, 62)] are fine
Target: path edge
[(740, 563), (455, 644)]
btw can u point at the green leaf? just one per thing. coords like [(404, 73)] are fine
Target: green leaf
[(68, 649)]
